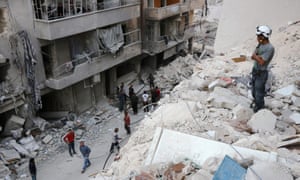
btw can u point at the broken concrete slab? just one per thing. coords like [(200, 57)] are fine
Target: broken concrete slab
[(286, 91), (4, 171), (19, 148), (10, 155), (224, 98), (29, 143), (262, 121), (40, 123), (220, 82), (264, 170), (13, 123), (47, 139), (242, 113), (168, 144), (296, 101), (295, 117), (295, 141)]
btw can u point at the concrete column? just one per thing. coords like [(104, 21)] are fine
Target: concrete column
[(190, 45), (156, 30), (112, 78)]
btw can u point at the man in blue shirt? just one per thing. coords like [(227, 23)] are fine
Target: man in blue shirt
[(85, 151), (262, 56)]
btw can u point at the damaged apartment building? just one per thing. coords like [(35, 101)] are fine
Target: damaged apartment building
[(65, 55)]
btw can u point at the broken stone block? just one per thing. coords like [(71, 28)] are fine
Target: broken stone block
[(10, 155), (274, 103), (286, 91), (198, 83), (201, 175), (4, 171), (13, 123), (19, 148), (263, 120), (47, 139), (224, 98), (268, 171), (284, 128), (295, 117), (40, 123), (242, 113), (296, 101), (29, 143), (221, 82)]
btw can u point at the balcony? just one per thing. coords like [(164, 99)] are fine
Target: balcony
[(167, 42), (55, 27), (159, 13), (92, 66)]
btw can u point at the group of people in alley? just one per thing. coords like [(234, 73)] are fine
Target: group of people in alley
[(148, 98)]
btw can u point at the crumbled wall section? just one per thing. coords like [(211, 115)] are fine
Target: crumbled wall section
[(3, 23)]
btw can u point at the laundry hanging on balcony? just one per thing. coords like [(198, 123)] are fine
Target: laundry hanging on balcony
[(111, 39)]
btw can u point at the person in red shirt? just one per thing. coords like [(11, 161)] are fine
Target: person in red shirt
[(69, 139), (157, 91), (127, 122)]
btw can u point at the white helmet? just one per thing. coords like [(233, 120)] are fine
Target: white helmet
[(264, 30)]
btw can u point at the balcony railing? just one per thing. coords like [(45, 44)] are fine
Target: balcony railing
[(130, 38), (60, 10)]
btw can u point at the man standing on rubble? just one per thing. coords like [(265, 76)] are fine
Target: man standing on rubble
[(69, 139), (85, 151), (262, 56)]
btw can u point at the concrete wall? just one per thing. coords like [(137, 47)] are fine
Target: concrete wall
[(22, 18), (240, 18)]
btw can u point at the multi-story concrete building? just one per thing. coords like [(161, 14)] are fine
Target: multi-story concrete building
[(67, 54)]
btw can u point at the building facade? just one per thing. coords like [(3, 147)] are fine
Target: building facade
[(69, 54)]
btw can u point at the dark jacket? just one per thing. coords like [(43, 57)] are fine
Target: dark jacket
[(32, 167)]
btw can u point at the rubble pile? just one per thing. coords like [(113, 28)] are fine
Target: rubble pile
[(214, 103), (44, 140)]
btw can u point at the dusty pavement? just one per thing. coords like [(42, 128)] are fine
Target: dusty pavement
[(62, 166)]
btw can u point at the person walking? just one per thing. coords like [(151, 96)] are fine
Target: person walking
[(262, 57), (85, 151), (115, 141), (145, 97), (32, 168), (134, 103), (127, 122), (151, 80), (69, 139), (122, 97)]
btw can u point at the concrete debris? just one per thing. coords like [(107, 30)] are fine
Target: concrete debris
[(263, 120), (10, 155), (4, 171), (224, 98), (242, 113), (286, 91), (13, 123), (220, 82), (263, 170), (29, 143), (47, 139), (19, 148), (295, 117), (41, 123), (296, 101)]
